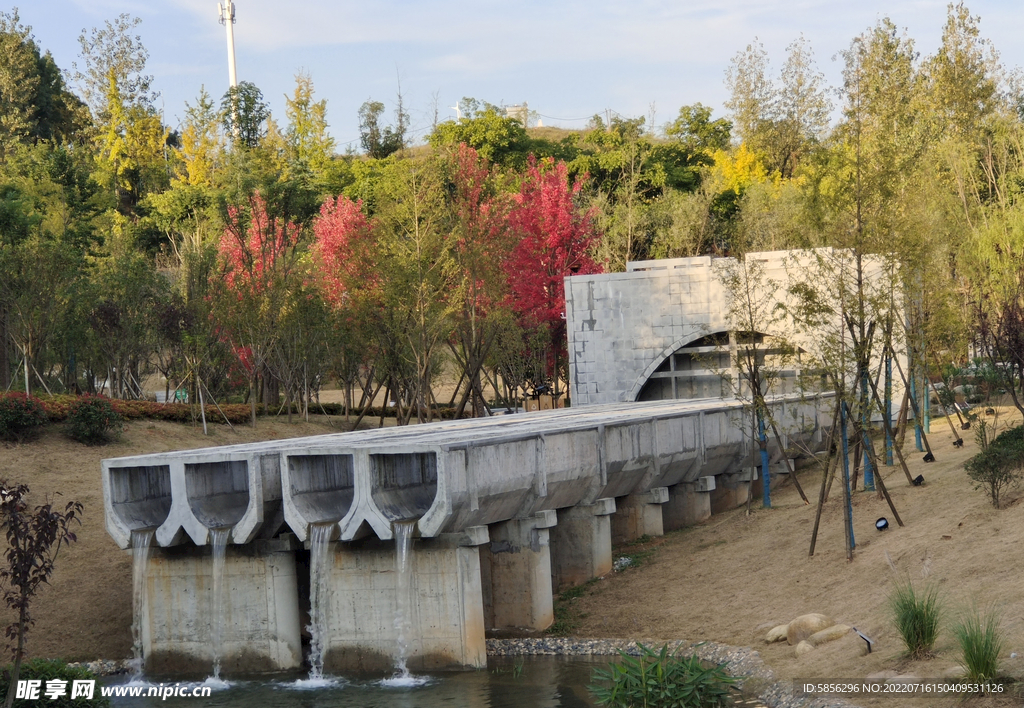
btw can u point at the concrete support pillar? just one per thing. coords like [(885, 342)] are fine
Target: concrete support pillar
[(638, 515), (446, 620), (581, 543), (731, 490), (688, 503), (516, 574), (261, 627)]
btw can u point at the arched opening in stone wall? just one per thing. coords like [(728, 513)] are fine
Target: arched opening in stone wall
[(704, 368)]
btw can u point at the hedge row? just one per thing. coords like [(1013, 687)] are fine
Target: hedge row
[(57, 408)]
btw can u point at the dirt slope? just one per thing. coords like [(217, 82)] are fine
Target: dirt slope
[(736, 576)]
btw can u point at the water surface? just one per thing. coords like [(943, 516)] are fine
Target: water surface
[(533, 682)]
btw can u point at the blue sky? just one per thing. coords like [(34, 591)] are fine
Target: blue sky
[(568, 58)]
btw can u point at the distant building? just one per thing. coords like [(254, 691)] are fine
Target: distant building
[(519, 112)]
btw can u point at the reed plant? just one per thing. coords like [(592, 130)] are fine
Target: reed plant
[(916, 614), (981, 643)]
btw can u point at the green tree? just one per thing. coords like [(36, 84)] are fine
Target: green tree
[(245, 114), (378, 140), (111, 54)]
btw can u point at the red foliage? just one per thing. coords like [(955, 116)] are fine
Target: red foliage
[(253, 248), (555, 237), (479, 227), (342, 241)]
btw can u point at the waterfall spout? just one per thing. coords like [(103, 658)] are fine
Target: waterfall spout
[(141, 545), (219, 543), (319, 594)]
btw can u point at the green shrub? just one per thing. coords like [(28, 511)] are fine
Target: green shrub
[(980, 643), (661, 678), (93, 420), (47, 670), (20, 416), (1000, 464), (916, 616)]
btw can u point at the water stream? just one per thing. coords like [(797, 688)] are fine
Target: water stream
[(142, 540), (319, 595), (219, 543), (403, 588)]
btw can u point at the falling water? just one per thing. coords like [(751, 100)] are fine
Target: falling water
[(319, 595), (219, 542), (403, 586), (141, 545)]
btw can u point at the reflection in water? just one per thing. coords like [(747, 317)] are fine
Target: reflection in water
[(542, 682)]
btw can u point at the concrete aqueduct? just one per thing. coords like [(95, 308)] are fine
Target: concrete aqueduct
[(507, 511)]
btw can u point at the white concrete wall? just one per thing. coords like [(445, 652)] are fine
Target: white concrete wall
[(261, 627), (621, 326), (447, 618)]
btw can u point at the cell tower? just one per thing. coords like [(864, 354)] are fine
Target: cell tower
[(227, 18)]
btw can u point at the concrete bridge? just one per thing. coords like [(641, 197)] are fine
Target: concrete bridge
[(507, 511)]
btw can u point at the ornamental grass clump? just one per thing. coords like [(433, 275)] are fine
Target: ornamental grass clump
[(658, 679), (92, 420), (21, 416), (980, 642), (916, 614)]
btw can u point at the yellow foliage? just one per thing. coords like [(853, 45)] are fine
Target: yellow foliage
[(738, 169)]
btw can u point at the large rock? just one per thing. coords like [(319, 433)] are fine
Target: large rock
[(806, 625), (804, 647), (836, 631)]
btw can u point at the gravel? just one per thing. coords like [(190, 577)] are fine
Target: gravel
[(105, 667), (743, 662)]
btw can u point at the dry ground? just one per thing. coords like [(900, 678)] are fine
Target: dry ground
[(736, 576), (728, 580)]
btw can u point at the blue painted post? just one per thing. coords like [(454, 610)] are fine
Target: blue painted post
[(888, 410), (846, 476), (917, 418), (865, 427), (766, 495), (927, 406)]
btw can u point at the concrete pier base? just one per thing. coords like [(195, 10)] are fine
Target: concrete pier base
[(515, 572), (732, 490), (581, 543), (688, 503), (639, 515), (261, 629), (446, 623)]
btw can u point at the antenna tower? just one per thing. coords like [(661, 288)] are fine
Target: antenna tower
[(227, 18)]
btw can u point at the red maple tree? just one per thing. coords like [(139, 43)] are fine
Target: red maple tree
[(555, 237)]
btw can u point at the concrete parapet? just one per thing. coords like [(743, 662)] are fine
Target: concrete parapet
[(317, 488), (446, 619), (261, 628), (639, 515), (191, 495), (581, 543)]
